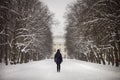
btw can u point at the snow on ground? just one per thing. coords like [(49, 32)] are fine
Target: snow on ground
[(71, 70)]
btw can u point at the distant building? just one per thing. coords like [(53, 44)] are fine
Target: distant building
[(59, 43)]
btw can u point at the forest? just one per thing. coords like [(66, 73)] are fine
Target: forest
[(24, 31), (92, 26), (93, 31)]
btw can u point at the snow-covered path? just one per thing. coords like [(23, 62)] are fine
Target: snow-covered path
[(71, 70)]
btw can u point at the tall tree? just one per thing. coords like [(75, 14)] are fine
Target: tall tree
[(25, 31), (93, 30)]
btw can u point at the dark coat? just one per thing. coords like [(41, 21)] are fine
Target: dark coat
[(58, 58)]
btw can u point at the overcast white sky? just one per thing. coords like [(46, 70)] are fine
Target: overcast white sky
[(58, 7)]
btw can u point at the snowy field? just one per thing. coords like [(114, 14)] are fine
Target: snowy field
[(71, 70)]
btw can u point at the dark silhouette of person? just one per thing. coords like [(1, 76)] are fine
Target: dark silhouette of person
[(58, 59)]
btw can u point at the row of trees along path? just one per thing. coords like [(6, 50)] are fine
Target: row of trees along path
[(93, 31), (24, 31)]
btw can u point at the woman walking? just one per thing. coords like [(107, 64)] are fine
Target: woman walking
[(58, 59)]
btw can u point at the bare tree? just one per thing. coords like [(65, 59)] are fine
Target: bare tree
[(93, 30), (25, 33)]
